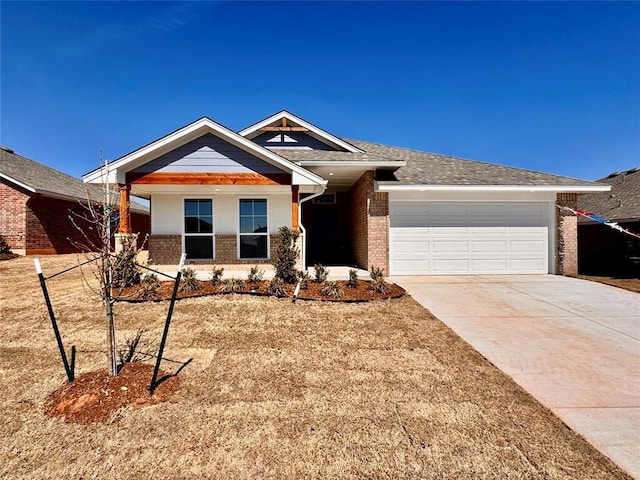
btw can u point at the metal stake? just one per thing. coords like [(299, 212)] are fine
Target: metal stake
[(152, 386), (68, 369)]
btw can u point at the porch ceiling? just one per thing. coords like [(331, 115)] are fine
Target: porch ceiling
[(339, 178)]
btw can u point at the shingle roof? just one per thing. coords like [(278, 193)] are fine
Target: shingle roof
[(48, 181), (622, 203), (295, 155), (432, 169)]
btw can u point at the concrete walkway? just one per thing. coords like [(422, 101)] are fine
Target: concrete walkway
[(572, 344)]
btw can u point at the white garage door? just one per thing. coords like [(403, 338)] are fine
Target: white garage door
[(468, 238)]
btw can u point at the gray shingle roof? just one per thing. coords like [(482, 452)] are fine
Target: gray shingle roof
[(622, 203), (295, 155), (48, 181), (432, 169)]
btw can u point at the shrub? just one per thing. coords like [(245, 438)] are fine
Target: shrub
[(149, 286), (189, 282), (321, 273), (276, 287), (216, 275), (232, 285), (4, 246), (303, 277), (332, 289), (375, 273), (124, 269), (255, 274), (353, 278), (286, 255), (379, 285)]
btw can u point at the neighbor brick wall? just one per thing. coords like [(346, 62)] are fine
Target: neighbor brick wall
[(370, 224), (566, 235), (13, 215)]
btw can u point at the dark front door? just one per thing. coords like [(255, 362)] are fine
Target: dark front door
[(327, 234)]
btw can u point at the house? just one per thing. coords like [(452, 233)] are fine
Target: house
[(35, 204), (220, 196), (604, 250)]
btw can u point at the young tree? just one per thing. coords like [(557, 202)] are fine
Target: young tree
[(96, 221)]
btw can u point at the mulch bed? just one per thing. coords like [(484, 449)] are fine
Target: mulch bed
[(362, 293), (95, 396), (8, 256)]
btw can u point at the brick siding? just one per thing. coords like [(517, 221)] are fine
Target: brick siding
[(566, 236), (370, 224), (166, 250)]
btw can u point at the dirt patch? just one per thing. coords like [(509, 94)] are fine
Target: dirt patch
[(631, 284), (96, 397), (362, 293)]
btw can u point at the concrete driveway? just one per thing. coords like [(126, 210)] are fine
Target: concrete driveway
[(572, 344)]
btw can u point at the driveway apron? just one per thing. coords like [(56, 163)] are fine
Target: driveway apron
[(573, 344)]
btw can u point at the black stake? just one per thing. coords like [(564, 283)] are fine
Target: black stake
[(152, 387), (45, 292)]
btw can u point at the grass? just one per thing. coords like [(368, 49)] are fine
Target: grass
[(275, 390)]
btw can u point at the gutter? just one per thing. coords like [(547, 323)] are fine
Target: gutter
[(491, 188), (348, 163)]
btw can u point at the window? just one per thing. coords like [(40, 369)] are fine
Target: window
[(253, 237), (198, 229)]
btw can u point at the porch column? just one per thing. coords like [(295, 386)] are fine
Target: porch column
[(294, 207), (125, 214)]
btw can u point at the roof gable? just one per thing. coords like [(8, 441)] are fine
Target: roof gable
[(293, 130), (116, 171)]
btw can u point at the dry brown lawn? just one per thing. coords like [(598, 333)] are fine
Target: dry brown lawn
[(631, 284), (275, 390)]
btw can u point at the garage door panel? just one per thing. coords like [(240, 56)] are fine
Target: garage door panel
[(497, 265), (439, 238), (483, 246), (450, 246)]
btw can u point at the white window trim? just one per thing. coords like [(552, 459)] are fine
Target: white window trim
[(238, 234), (213, 226)]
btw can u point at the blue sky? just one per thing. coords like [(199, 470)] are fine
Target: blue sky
[(552, 86)]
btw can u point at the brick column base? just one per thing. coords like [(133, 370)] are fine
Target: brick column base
[(566, 235)]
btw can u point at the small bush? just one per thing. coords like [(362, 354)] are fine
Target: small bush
[(353, 278), (286, 255), (4, 246), (276, 287), (149, 286), (332, 289), (379, 285), (255, 274), (321, 273), (375, 273), (232, 285), (189, 282), (303, 277), (216, 275), (124, 271)]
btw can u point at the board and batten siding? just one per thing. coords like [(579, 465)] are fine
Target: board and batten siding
[(208, 154), (167, 213)]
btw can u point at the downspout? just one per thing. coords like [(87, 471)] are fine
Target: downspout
[(303, 253)]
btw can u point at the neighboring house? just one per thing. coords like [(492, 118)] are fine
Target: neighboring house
[(602, 249), (221, 196), (35, 204)]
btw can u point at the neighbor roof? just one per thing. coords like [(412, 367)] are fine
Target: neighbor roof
[(424, 168), (622, 203), (38, 178)]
